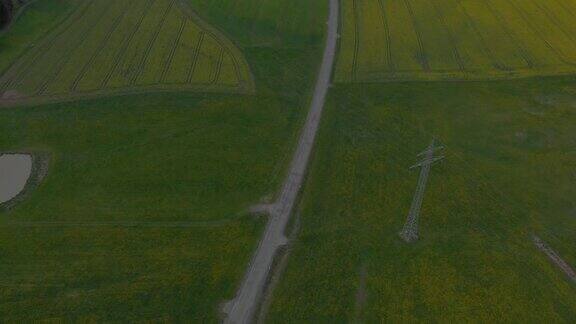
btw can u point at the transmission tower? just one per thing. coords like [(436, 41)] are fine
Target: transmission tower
[(409, 232)]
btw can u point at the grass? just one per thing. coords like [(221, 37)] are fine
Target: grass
[(136, 148), (121, 46), (455, 40), (267, 22), (508, 174), (121, 274), (130, 169)]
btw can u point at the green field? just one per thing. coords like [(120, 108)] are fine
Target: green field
[(143, 213), (106, 47), (508, 174), (44, 14), (267, 22), (143, 216), (386, 40)]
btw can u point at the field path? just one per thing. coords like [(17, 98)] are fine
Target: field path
[(243, 307)]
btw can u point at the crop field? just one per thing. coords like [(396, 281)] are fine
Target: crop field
[(508, 173), (143, 213), (106, 47), (386, 40)]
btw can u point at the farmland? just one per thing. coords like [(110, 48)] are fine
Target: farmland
[(106, 47), (387, 40), (143, 213), (508, 174), (265, 22), (164, 122)]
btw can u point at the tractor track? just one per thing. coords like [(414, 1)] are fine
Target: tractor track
[(173, 50), (101, 46), (512, 36), (195, 57), (388, 36), (63, 61), (118, 58), (150, 45), (423, 58)]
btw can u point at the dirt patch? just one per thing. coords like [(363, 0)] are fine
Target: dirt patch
[(521, 136), (261, 209)]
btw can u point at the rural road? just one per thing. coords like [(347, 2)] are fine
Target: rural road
[(242, 308)]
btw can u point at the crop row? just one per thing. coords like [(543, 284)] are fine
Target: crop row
[(100, 44), (63, 72), (112, 45), (151, 42), (20, 70), (464, 39)]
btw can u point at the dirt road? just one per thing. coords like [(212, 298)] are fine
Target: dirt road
[(243, 307)]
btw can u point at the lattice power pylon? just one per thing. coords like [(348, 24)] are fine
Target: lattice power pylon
[(555, 258), (409, 232)]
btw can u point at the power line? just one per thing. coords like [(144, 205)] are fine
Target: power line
[(409, 232)]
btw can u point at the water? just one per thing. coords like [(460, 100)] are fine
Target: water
[(15, 169)]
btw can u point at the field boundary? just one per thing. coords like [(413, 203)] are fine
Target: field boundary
[(199, 88), (456, 76), (139, 224)]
